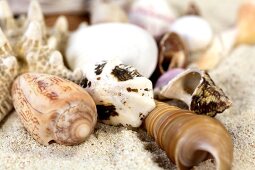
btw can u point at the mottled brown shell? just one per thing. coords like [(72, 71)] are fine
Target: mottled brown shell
[(53, 109), (188, 138), (172, 52)]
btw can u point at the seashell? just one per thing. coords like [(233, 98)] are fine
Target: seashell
[(189, 139), (194, 30), (197, 89), (245, 19), (126, 42), (106, 11), (7, 21), (59, 35), (53, 109), (119, 92), (192, 9), (35, 14), (8, 70), (155, 16), (168, 76), (218, 50), (173, 53)]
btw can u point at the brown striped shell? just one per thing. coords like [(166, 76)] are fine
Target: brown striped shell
[(188, 138), (53, 109)]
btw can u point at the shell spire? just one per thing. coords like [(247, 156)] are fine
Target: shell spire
[(7, 21), (31, 40), (189, 139), (35, 14), (5, 48)]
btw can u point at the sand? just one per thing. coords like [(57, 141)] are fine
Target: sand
[(121, 148)]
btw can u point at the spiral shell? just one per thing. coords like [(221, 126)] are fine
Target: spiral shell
[(53, 109), (188, 138)]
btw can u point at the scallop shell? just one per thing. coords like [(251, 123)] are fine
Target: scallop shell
[(53, 109), (189, 139), (122, 95), (155, 16), (197, 89), (126, 42), (194, 30), (173, 53)]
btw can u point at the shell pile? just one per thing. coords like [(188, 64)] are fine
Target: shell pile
[(53, 108)]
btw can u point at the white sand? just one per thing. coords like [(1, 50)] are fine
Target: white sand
[(120, 148)]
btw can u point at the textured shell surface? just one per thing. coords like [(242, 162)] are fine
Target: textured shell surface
[(196, 88), (53, 109), (189, 139), (194, 30), (122, 95), (126, 42), (155, 16)]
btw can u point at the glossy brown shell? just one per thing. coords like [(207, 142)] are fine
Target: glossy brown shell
[(188, 138)]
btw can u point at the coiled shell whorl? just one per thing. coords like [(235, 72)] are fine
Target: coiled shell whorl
[(188, 138), (54, 109)]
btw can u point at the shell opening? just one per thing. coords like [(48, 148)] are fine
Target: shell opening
[(191, 81)]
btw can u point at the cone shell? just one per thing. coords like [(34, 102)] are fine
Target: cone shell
[(53, 109), (188, 138)]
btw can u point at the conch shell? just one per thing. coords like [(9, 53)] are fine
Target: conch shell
[(189, 139), (197, 89), (122, 95), (173, 52), (8, 70), (53, 109)]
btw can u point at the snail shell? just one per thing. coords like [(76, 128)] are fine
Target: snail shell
[(188, 138), (52, 108)]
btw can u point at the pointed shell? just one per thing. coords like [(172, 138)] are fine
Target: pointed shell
[(197, 89), (53, 109), (189, 139), (122, 95)]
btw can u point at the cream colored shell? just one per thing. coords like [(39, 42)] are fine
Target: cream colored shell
[(53, 109)]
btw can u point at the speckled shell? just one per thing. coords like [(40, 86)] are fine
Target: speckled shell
[(8, 72), (122, 95), (189, 139), (194, 30), (126, 42), (196, 88), (53, 109)]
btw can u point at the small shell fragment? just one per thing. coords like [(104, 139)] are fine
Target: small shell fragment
[(53, 109)]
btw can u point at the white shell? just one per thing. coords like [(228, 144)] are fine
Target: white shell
[(195, 31), (122, 95), (130, 44), (155, 16)]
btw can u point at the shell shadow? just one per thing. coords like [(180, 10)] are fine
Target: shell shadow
[(158, 155)]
